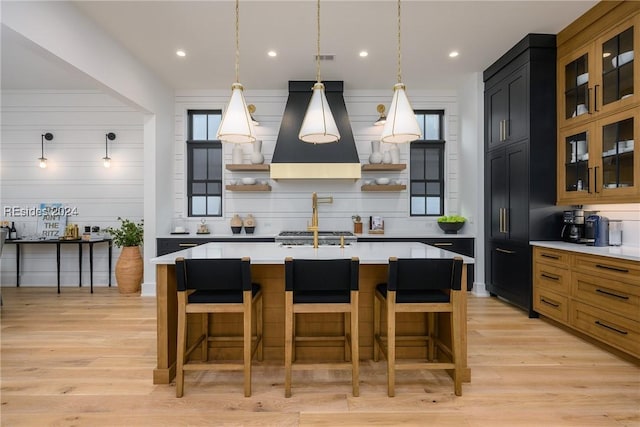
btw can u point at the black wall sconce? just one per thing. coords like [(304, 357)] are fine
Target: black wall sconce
[(42, 159), (106, 160)]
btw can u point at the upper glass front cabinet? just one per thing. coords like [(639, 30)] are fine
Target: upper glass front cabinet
[(577, 87), (617, 67)]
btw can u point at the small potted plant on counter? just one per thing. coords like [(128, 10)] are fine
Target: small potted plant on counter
[(451, 224), (129, 268)]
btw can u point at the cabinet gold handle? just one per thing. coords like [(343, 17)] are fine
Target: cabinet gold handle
[(505, 251), (611, 328), (501, 131), (500, 220), (550, 256), (612, 294), (546, 276), (608, 267), (554, 305), (506, 129), (443, 244), (187, 245)]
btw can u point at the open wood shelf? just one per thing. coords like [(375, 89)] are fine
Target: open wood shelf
[(254, 187), (248, 167), (390, 187), (384, 167)]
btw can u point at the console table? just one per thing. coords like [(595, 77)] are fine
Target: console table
[(58, 244)]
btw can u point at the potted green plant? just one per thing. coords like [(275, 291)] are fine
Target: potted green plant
[(129, 267), (451, 224)]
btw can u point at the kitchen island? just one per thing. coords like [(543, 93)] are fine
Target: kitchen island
[(267, 268)]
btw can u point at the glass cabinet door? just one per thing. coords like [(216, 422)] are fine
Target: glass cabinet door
[(576, 83), (618, 147), (617, 67), (576, 148)]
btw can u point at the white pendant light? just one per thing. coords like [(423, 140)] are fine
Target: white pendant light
[(318, 125), (236, 125), (401, 125)]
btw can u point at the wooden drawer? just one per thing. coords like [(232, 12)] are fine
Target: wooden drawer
[(551, 304), (551, 278), (610, 268), (610, 328), (558, 258), (617, 297)]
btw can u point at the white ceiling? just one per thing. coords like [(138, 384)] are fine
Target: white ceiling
[(153, 30)]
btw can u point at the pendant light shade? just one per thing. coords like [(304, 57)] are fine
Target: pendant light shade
[(318, 126), (401, 125), (236, 125)]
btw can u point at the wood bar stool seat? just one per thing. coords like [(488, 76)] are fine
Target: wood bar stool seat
[(428, 286), (208, 286), (322, 286)]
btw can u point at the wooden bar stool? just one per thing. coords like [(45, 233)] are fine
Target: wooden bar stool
[(322, 286), (420, 286), (217, 286)]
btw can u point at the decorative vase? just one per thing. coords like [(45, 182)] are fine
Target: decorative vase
[(236, 224), (249, 224), (395, 154), (129, 268), (256, 156), (386, 157), (376, 156), (236, 154)]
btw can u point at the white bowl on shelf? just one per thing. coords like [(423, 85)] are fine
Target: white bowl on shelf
[(582, 79), (248, 181), (382, 181), (622, 59), (367, 182)]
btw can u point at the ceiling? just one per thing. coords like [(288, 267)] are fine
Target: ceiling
[(153, 30)]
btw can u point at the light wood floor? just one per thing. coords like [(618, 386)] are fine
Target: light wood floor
[(77, 359)]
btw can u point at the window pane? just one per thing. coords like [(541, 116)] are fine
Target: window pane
[(417, 188), (199, 163), (417, 206), (417, 164), (420, 119), (214, 124), (214, 205), (433, 188), (214, 188), (215, 163), (198, 205), (432, 164), (199, 188), (433, 205), (432, 127), (199, 127)]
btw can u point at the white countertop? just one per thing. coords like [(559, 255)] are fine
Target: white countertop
[(621, 252), (397, 235), (274, 253)]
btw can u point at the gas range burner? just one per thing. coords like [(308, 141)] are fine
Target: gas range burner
[(320, 233), (305, 238)]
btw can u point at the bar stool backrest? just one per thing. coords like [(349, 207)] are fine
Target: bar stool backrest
[(213, 274), (333, 275), (414, 274)]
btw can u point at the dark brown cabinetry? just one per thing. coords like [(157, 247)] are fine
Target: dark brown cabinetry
[(520, 158)]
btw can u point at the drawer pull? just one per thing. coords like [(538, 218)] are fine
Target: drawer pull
[(187, 245), (549, 256), (546, 276), (599, 323), (554, 305), (504, 251), (443, 244), (611, 294), (608, 267)]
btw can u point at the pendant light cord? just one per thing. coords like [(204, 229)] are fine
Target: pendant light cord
[(237, 41), (399, 49), (318, 44)]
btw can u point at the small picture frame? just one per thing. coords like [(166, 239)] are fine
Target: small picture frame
[(376, 225)]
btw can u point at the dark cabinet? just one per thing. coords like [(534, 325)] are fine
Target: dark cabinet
[(520, 154), (167, 245)]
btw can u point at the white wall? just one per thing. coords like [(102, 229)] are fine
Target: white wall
[(75, 175), (288, 205), (628, 213)]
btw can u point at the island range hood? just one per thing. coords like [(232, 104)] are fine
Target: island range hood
[(295, 159)]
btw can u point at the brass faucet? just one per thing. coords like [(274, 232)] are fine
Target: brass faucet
[(314, 215)]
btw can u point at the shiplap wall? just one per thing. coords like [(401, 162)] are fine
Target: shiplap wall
[(75, 175), (288, 205), (628, 213)]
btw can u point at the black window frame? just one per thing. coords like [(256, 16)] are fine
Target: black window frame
[(208, 144), (423, 146)]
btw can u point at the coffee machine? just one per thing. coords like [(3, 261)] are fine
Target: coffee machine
[(597, 230), (573, 226)]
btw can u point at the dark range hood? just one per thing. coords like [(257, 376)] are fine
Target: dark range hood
[(294, 159)]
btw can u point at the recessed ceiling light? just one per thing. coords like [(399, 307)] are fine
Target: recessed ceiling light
[(364, 54), (272, 53), (181, 53), (453, 54)]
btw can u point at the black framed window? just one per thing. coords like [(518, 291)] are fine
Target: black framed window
[(204, 163), (426, 180)]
